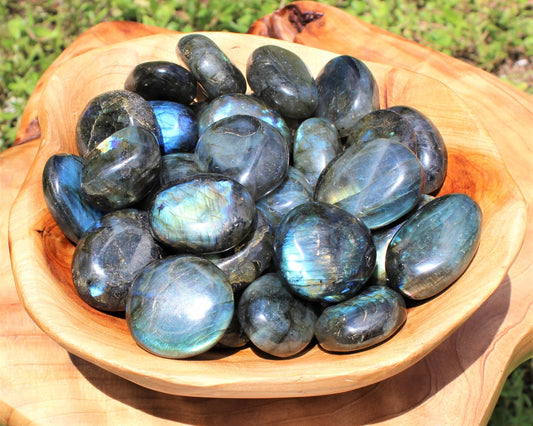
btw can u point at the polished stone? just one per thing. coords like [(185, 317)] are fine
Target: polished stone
[(235, 336), (177, 166)]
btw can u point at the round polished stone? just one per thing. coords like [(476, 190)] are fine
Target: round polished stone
[(179, 307), (109, 257), (365, 320), (177, 166), (275, 321), (63, 196), (203, 213), (323, 252), (434, 247)]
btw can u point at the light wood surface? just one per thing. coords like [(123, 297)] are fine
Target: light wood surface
[(457, 383)]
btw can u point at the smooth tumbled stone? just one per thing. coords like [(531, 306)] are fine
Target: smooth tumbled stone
[(179, 307), (177, 166), (235, 336), (431, 149), (293, 191), (346, 92), (378, 183), (246, 149), (211, 67), (162, 81), (110, 256), (64, 199), (283, 81), (122, 169), (178, 126), (323, 252), (365, 320), (275, 321), (434, 247), (109, 112), (204, 213), (316, 144)]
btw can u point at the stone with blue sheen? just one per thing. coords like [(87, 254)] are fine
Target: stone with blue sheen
[(62, 192), (177, 166), (434, 247), (179, 307)]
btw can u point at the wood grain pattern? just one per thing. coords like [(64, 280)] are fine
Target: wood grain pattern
[(457, 383)]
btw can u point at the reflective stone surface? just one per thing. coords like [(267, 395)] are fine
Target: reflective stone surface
[(176, 166), (346, 92), (109, 112), (178, 126), (323, 252), (246, 149), (179, 307), (434, 247), (235, 336), (162, 81), (63, 196), (109, 257), (204, 213), (282, 80), (121, 170), (211, 67), (378, 183), (275, 321), (365, 320)]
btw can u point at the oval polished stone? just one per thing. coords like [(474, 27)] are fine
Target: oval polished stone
[(179, 307), (316, 144), (121, 170), (64, 198), (178, 126), (211, 67), (246, 149), (177, 166), (323, 252), (110, 256), (275, 321), (109, 112), (162, 81), (378, 183), (346, 92), (365, 320), (204, 213), (293, 191), (431, 149), (283, 81), (434, 247)]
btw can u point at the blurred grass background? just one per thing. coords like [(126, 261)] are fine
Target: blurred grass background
[(496, 35)]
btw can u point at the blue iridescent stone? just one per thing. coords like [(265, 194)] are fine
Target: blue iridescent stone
[(62, 192), (323, 252), (110, 256), (178, 126), (365, 320), (434, 247), (378, 183), (177, 166), (275, 321), (179, 307), (203, 213)]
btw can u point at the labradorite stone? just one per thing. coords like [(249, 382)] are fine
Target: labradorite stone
[(177, 166), (211, 67), (62, 192), (378, 183), (434, 247), (109, 257), (203, 213), (122, 169), (110, 112), (282, 80), (346, 92), (235, 336), (323, 252), (365, 320), (162, 81), (179, 307), (275, 321)]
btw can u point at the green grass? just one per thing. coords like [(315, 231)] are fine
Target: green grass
[(485, 33)]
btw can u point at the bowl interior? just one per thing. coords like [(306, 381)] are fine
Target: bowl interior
[(41, 255)]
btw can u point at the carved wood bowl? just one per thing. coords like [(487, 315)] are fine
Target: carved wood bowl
[(41, 255)]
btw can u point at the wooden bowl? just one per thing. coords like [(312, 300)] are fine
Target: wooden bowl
[(41, 255)]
